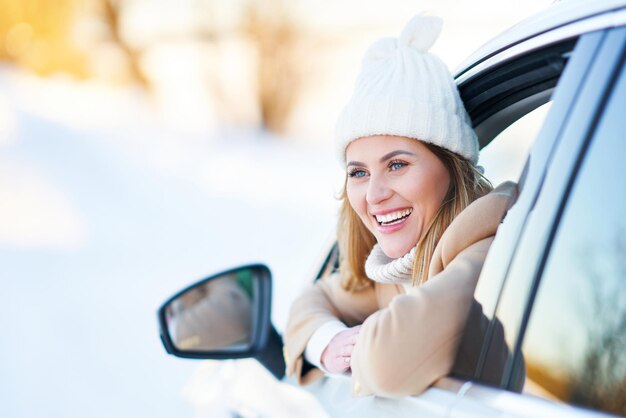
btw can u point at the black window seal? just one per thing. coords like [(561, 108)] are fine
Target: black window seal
[(514, 80)]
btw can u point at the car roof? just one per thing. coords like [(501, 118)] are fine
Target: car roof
[(561, 20)]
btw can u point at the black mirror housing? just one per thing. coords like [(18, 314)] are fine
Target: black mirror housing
[(257, 330)]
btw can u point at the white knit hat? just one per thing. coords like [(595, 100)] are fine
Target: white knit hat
[(404, 90)]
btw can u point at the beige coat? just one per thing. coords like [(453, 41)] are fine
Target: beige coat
[(408, 340)]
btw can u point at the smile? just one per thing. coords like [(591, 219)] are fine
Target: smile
[(393, 218)]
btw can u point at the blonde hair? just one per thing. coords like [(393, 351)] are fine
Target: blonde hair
[(356, 241)]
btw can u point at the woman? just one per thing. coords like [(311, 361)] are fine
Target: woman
[(416, 222)]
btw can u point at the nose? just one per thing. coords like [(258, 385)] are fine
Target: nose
[(378, 190)]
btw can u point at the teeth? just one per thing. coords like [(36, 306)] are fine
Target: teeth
[(390, 217)]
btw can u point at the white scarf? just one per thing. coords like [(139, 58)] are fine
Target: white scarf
[(383, 269)]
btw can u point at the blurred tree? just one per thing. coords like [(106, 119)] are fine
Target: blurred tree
[(89, 38), (280, 71), (269, 26), (111, 11), (39, 35)]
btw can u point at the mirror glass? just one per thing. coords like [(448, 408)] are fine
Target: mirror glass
[(215, 315)]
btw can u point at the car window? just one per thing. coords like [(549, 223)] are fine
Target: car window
[(574, 348), (503, 159), (578, 100)]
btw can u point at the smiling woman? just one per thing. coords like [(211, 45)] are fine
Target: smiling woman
[(396, 195), (435, 184), (415, 225)]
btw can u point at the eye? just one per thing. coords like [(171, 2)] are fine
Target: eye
[(396, 165), (356, 172)]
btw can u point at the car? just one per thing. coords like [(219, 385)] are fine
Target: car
[(546, 335)]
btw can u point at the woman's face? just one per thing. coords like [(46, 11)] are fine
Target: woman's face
[(395, 185)]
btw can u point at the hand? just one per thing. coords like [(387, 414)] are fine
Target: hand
[(337, 355)]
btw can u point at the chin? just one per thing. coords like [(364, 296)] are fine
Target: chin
[(394, 251)]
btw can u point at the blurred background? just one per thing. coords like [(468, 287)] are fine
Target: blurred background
[(145, 144)]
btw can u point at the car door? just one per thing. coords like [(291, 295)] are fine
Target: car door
[(560, 353)]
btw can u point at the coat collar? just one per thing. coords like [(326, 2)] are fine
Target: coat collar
[(476, 222)]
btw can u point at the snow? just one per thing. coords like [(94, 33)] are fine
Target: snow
[(105, 210)]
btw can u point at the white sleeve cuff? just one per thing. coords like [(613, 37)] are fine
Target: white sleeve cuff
[(319, 341)]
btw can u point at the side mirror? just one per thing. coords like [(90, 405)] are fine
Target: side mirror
[(225, 316)]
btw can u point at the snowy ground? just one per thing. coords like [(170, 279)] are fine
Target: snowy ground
[(104, 212)]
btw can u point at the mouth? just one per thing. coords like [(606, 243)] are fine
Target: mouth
[(393, 218)]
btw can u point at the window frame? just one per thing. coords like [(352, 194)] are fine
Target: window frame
[(579, 53), (476, 398), (564, 169)]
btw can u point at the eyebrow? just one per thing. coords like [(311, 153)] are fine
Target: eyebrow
[(383, 158), (393, 154), (357, 163)]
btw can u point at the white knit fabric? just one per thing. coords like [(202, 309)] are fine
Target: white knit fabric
[(383, 269), (404, 90)]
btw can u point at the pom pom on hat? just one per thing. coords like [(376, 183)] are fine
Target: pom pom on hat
[(404, 90), (421, 32)]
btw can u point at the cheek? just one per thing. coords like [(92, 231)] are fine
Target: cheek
[(428, 188), (442, 182), (439, 186), (356, 198)]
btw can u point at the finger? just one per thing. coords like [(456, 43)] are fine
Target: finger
[(355, 332), (353, 338), (345, 333), (346, 350), (340, 342), (339, 365), (348, 336), (349, 339)]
